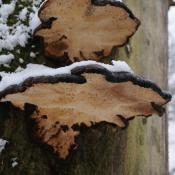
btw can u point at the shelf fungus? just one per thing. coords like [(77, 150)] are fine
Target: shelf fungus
[(86, 93), (84, 29)]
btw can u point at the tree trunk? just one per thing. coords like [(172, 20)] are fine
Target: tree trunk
[(147, 138), (104, 149)]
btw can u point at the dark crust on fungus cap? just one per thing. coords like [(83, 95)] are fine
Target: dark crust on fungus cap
[(77, 77), (81, 36), (86, 97)]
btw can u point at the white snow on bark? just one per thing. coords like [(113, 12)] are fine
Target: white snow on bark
[(14, 162), (34, 18), (34, 21), (32, 55), (6, 10), (35, 70), (14, 35), (2, 144), (6, 59), (23, 14)]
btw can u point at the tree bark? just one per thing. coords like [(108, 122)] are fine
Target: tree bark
[(147, 139), (103, 149)]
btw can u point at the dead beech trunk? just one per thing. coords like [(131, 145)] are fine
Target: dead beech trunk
[(104, 149)]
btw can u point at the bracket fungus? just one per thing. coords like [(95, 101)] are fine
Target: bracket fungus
[(85, 93), (84, 29)]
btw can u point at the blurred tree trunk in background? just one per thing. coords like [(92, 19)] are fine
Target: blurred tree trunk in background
[(140, 149)]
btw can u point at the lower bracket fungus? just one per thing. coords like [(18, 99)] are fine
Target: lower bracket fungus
[(85, 93), (84, 29)]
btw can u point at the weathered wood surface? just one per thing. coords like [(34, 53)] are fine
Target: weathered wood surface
[(140, 149), (147, 139)]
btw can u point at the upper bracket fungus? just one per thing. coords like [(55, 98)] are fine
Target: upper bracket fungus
[(84, 29), (83, 93)]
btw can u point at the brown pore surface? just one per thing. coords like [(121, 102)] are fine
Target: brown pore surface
[(82, 29), (69, 104)]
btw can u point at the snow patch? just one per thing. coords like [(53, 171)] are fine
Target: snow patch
[(32, 55), (34, 18), (6, 59), (6, 10), (19, 69), (35, 70), (2, 144), (18, 33), (34, 21), (23, 14), (14, 162)]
